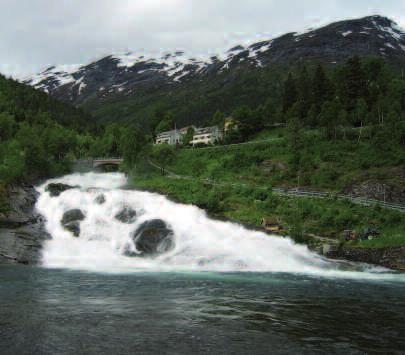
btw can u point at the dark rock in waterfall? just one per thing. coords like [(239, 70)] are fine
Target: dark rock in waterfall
[(153, 237), (55, 189), (72, 216), (126, 215), (22, 229), (100, 199), (73, 227), (71, 221)]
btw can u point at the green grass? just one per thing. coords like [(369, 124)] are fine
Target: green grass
[(325, 165), (391, 237), (302, 216)]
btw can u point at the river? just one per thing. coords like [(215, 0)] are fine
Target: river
[(221, 289)]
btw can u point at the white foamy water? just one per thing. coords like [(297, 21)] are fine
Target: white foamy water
[(201, 244)]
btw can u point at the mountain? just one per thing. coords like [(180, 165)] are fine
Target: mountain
[(133, 84)]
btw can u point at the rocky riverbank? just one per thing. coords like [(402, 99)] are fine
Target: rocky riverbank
[(392, 257), (22, 231)]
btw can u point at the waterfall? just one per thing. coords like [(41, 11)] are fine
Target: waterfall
[(200, 243)]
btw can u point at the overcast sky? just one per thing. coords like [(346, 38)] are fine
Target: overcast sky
[(38, 33)]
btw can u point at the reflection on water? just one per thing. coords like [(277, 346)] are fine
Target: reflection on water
[(48, 312)]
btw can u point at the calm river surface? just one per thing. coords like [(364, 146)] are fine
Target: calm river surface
[(47, 311)]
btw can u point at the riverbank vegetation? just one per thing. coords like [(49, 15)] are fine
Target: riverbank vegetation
[(300, 217)]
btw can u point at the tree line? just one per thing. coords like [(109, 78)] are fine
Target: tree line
[(40, 136)]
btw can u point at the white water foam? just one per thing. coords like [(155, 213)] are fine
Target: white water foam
[(201, 244)]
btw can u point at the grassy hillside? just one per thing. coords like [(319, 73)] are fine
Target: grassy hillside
[(324, 164), (236, 182), (300, 216)]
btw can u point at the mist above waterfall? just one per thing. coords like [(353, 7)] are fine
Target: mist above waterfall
[(200, 243)]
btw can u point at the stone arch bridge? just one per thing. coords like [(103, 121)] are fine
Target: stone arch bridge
[(97, 162)]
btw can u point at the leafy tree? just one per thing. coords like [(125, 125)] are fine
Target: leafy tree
[(163, 154), (188, 137), (269, 115), (396, 92), (218, 119), (246, 121), (329, 118), (7, 126), (12, 165), (164, 126), (133, 145)]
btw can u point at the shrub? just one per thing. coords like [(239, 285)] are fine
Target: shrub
[(3, 199)]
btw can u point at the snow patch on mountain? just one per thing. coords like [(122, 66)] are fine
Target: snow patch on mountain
[(61, 73), (393, 30), (122, 72)]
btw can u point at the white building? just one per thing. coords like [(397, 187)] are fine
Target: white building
[(170, 137), (207, 135)]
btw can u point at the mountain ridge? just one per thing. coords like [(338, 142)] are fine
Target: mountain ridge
[(122, 76)]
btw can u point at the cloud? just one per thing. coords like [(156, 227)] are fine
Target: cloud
[(38, 33)]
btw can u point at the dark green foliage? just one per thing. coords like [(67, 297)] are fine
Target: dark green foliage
[(163, 155), (355, 83), (290, 95), (322, 88), (37, 133), (188, 137)]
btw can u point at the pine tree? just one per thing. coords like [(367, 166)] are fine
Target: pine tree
[(355, 83), (290, 93), (321, 88), (312, 116), (304, 92)]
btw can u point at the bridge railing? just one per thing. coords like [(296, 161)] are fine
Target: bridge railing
[(92, 161), (107, 158)]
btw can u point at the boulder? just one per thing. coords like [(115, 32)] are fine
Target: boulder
[(153, 237), (100, 199), (126, 215), (73, 227), (71, 221), (55, 189), (22, 229), (270, 166)]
